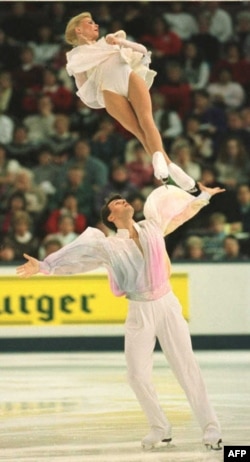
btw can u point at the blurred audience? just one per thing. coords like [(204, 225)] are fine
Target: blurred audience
[(44, 46), (35, 197), (52, 145), (225, 91), (140, 170), (49, 245), (168, 122), (6, 128), (21, 237), (182, 154), (77, 183), (214, 235), (62, 140), (176, 89), (21, 148), (107, 144), (205, 41), (8, 169), (180, 21), (192, 249), (66, 226), (15, 203), (10, 97), (96, 170), (41, 124), (118, 183), (46, 173), (163, 42), (68, 207), (242, 210), (231, 250), (221, 24), (196, 69), (233, 162)]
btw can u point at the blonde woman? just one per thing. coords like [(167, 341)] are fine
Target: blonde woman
[(114, 73)]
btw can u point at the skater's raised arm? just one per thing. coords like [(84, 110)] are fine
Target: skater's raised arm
[(171, 207), (116, 39)]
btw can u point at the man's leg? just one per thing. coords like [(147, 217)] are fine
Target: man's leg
[(177, 348), (139, 346)]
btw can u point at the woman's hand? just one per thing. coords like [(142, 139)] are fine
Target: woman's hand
[(112, 40), (29, 268), (211, 191)]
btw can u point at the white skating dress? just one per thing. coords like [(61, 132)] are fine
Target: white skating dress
[(101, 66)]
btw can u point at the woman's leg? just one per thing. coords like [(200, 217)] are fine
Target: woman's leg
[(135, 116), (140, 99), (119, 107)]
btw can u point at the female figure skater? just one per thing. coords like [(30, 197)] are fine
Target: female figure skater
[(113, 73)]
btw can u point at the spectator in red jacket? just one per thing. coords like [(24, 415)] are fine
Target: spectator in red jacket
[(163, 43), (60, 96), (27, 73), (233, 60), (69, 207), (140, 169), (176, 90)]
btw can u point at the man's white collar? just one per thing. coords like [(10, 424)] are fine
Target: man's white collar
[(124, 232)]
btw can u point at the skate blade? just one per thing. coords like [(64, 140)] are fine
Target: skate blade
[(214, 447), (161, 444), (165, 181)]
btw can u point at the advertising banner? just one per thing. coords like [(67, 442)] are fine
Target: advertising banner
[(61, 300)]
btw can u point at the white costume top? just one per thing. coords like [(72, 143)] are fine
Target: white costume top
[(139, 276), (92, 63)]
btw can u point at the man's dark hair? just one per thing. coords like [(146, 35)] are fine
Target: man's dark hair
[(105, 211)]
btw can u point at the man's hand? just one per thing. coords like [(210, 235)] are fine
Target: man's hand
[(29, 268), (211, 191)]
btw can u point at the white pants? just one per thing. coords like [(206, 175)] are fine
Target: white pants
[(163, 319)]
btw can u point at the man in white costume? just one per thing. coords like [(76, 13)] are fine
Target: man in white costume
[(139, 268)]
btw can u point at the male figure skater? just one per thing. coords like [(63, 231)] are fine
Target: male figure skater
[(138, 267)]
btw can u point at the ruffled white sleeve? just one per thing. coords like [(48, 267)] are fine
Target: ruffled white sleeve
[(85, 57), (87, 252), (170, 207)]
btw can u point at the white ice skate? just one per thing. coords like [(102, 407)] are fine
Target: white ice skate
[(212, 438), (157, 437), (182, 179), (160, 167)]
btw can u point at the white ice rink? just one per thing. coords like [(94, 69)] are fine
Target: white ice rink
[(77, 407)]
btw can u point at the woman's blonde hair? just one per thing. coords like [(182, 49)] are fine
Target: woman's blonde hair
[(70, 33)]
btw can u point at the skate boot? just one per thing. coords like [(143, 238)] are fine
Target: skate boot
[(183, 180), (212, 438), (160, 167), (157, 437)]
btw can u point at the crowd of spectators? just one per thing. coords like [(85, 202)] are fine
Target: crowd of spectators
[(60, 159)]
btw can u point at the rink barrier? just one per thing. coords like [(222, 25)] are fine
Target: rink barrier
[(74, 300), (113, 343), (218, 297)]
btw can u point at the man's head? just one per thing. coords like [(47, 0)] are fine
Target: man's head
[(116, 208)]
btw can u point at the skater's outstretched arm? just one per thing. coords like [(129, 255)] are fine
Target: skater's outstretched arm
[(171, 207), (30, 268)]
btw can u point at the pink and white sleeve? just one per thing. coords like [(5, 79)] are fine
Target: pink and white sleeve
[(171, 207)]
